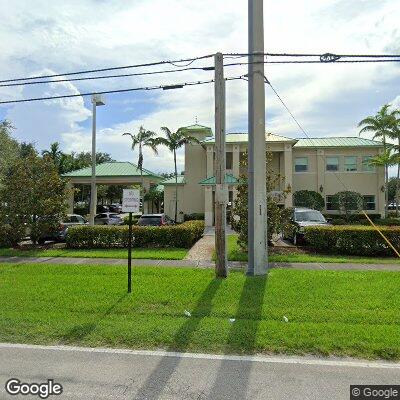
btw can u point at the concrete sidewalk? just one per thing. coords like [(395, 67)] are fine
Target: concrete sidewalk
[(196, 263)]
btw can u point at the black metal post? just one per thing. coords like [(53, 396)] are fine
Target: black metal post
[(130, 254)]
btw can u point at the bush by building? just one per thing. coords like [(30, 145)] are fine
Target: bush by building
[(308, 199), (183, 235), (194, 217), (352, 240)]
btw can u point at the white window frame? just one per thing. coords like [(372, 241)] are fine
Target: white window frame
[(338, 164), (347, 164), (365, 166), (374, 202), (295, 164)]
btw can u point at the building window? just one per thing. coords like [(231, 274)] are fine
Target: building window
[(301, 164), (366, 166), (332, 163), (369, 202), (350, 163), (329, 203), (229, 160)]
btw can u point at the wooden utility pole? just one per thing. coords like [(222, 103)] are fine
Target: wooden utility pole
[(221, 192), (257, 216)]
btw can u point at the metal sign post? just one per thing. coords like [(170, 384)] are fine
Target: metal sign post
[(130, 204)]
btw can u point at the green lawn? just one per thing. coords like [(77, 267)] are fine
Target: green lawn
[(329, 312), (236, 254), (141, 253)]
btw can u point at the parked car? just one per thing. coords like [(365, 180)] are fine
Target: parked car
[(108, 218), (102, 209), (303, 217), (115, 208), (155, 220), (60, 234)]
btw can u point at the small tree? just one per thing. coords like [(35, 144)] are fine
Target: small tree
[(309, 199), (33, 196), (277, 216), (347, 203)]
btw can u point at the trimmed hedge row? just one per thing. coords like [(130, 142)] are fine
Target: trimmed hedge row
[(353, 240), (105, 237)]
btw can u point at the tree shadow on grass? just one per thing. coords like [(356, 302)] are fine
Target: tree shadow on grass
[(157, 381), (232, 383), (80, 331)]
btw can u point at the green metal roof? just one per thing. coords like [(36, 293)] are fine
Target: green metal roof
[(229, 180), (244, 138), (115, 168), (171, 181), (196, 127), (338, 142)]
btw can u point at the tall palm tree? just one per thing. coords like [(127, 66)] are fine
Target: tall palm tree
[(55, 154), (395, 135), (142, 139), (385, 160), (174, 141), (381, 125)]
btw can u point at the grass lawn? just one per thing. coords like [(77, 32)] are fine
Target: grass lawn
[(236, 254), (329, 312), (140, 253)]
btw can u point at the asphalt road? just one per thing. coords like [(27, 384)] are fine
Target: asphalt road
[(123, 374)]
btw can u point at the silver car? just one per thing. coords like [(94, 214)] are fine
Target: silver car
[(108, 218), (303, 217)]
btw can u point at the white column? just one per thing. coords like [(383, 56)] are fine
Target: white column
[(70, 200), (236, 161), (288, 173), (208, 206), (210, 161), (146, 187)]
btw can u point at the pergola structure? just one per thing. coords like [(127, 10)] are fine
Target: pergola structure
[(113, 173)]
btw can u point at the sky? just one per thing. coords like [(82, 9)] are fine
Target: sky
[(41, 37)]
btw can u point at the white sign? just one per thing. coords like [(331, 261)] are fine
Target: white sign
[(131, 200)]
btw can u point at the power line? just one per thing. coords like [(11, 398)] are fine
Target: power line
[(173, 62), (238, 55), (145, 88), (108, 76)]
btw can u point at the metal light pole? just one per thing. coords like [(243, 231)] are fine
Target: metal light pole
[(257, 216), (97, 100)]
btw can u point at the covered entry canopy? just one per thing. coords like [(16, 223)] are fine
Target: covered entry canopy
[(113, 173)]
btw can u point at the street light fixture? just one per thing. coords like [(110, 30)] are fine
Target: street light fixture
[(97, 100)]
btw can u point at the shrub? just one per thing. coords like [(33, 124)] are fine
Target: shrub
[(309, 199), (353, 240), (348, 203), (194, 217), (135, 219), (384, 222), (10, 237), (338, 221), (183, 235)]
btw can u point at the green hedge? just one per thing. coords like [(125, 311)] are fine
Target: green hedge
[(353, 240), (194, 217), (104, 237)]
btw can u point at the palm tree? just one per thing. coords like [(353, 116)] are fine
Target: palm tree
[(174, 141), (385, 159), (142, 139), (395, 135), (381, 125), (55, 154)]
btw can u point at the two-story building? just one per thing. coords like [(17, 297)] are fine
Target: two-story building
[(326, 165)]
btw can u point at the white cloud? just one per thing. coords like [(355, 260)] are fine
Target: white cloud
[(80, 34)]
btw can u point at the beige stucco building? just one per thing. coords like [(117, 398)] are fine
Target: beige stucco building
[(325, 165)]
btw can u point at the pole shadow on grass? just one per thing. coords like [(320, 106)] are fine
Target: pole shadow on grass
[(233, 377), (157, 381), (80, 331)]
